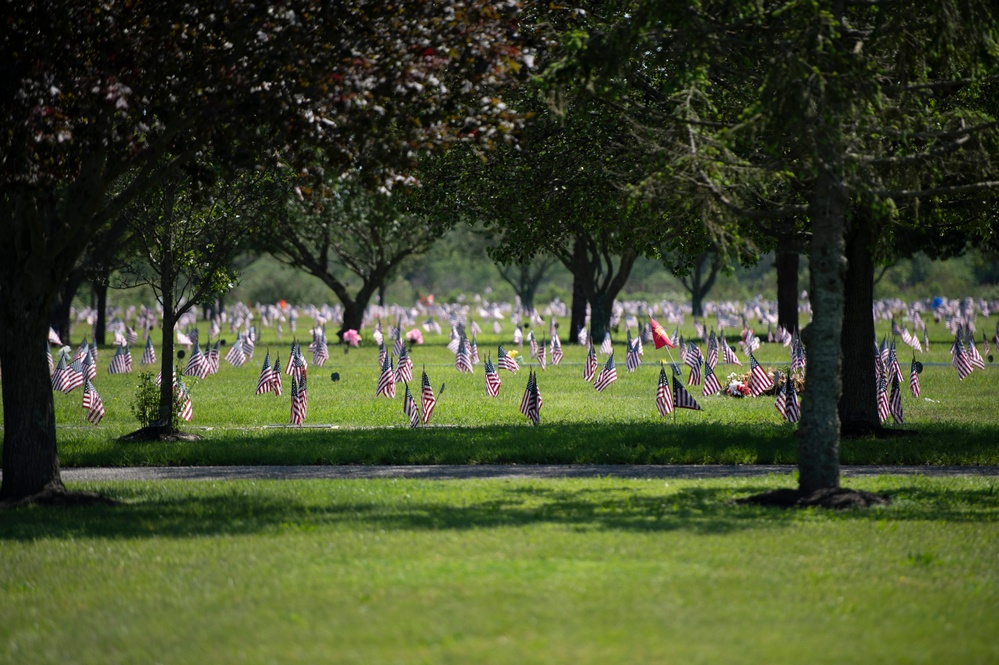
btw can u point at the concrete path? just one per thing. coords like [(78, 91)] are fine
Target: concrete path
[(461, 472)]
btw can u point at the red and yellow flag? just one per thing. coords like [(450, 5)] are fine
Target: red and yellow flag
[(660, 337)]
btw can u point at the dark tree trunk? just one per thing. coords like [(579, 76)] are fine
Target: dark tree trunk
[(30, 460), (577, 316), (353, 308), (100, 289), (165, 423), (698, 284), (858, 411), (600, 314), (786, 261), (64, 301), (818, 434)]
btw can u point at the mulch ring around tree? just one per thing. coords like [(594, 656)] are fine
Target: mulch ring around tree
[(154, 433), (837, 498)]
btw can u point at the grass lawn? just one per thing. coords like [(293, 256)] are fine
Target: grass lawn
[(501, 571), (954, 422)]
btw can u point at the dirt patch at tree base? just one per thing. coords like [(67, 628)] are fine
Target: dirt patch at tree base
[(149, 434), (60, 497), (837, 498)]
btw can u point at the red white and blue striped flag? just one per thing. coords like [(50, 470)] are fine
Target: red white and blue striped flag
[(608, 375)]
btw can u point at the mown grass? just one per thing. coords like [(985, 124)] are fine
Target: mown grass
[(952, 422), (501, 571)]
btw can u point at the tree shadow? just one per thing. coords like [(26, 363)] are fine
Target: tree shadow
[(237, 509)]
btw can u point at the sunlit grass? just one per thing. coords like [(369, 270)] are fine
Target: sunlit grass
[(954, 422), (501, 571)]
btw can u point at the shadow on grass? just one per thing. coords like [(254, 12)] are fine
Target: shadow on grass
[(240, 508), (572, 443)]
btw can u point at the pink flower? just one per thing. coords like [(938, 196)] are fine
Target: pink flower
[(351, 337), (415, 336)]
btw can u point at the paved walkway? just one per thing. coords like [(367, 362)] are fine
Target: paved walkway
[(460, 472)]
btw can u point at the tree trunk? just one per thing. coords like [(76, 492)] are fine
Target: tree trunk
[(600, 314), (577, 315), (64, 301), (165, 422), (100, 290), (354, 308), (858, 411), (786, 261), (818, 434), (30, 460)]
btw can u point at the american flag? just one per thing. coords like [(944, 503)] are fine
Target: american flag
[(985, 343), (462, 362), (504, 361), (781, 402), (914, 377), (693, 359), (410, 408), (183, 398), (404, 370), (760, 381), (541, 356), (534, 343), (297, 367), (682, 348), (973, 355), (93, 403), (81, 351), (712, 358), (961, 361), (711, 385), (276, 376), (792, 410), (299, 406), (48, 353), (797, 354), (492, 379), (606, 346), (399, 343), (894, 371), (89, 365), (382, 354), (473, 350), (631, 359), (213, 357), (321, 353), (664, 398), (266, 381), (883, 408), (608, 375), (148, 354), (454, 341), (197, 364), (427, 398), (236, 357), (751, 343), (682, 399), (70, 379), (728, 354), (531, 403), (590, 368), (386, 382), (556, 350), (121, 363), (250, 342), (895, 402)]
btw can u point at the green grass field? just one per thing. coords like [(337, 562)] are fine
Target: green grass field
[(952, 422), (501, 571), (504, 571)]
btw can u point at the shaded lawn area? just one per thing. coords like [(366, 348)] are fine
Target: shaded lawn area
[(941, 443), (501, 571)]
